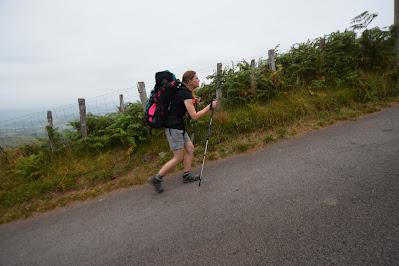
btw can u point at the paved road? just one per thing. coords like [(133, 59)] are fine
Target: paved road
[(329, 197)]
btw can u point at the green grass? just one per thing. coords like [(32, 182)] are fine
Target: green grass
[(54, 180)]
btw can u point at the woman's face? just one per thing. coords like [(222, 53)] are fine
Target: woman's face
[(195, 81)]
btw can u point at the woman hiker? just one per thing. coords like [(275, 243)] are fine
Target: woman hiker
[(182, 103)]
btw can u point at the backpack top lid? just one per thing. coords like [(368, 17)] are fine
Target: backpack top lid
[(163, 75)]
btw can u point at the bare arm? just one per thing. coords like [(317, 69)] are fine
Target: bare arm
[(197, 115)]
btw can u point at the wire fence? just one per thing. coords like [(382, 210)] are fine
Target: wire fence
[(28, 128)]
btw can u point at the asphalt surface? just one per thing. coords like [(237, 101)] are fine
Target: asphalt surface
[(329, 197)]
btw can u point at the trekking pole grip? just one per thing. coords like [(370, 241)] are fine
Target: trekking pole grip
[(210, 108)]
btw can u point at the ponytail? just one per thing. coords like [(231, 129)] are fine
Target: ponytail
[(187, 76)]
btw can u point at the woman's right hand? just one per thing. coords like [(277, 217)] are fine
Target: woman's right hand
[(213, 104)]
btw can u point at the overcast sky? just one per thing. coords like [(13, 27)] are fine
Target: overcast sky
[(53, 52)]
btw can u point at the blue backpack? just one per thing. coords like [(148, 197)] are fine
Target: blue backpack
[(157, 108)]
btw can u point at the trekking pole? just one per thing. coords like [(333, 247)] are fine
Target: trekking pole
[(206, 146), (194, 123), (192, 134)]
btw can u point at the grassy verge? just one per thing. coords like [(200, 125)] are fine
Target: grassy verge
[(75, 176)]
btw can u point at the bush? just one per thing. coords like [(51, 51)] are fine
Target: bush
[(114, 129)]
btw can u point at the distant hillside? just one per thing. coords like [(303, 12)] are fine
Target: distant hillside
[(7, 114)]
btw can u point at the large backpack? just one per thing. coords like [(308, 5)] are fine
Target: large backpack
[(157, 108)]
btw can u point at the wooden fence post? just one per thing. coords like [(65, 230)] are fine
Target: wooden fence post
[(322, 44), (83, 119), (219, 85), (252, 76), (121, 104), (272, 60), (143, 94), (49, 129)]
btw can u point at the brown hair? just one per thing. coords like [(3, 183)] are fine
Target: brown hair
[(187, 76)]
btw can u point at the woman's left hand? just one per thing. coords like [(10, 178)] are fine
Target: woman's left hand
[(197, 99)]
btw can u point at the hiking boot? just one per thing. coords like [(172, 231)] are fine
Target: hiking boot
[(156, 181), (188, 177)]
